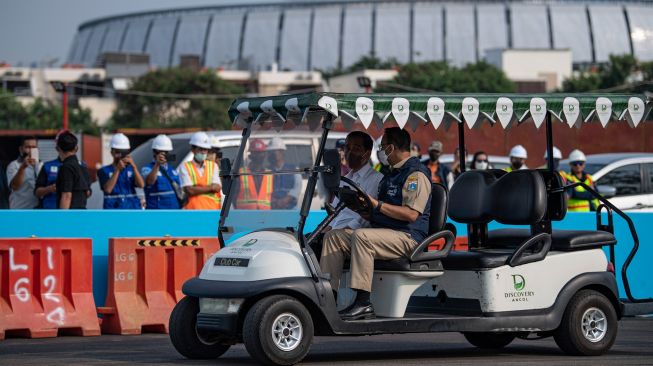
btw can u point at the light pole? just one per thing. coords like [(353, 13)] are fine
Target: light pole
[(63, 88)]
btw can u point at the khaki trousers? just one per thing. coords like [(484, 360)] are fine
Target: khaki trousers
[(362, 246)]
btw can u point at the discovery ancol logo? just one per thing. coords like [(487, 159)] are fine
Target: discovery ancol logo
[(519, 283)]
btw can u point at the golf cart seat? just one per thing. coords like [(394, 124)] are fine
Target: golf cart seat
[(421, 259), (516, 198), (561, 240)]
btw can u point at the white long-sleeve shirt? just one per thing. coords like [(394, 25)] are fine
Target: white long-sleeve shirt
[(368, 179)]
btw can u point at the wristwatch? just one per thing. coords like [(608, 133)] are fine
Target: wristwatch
[(378, 206)]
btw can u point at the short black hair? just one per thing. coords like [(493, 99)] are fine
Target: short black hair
[(398, 137), (368, 143), (67, 142), (27, 138)]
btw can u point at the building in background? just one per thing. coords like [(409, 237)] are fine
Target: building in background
[(534, 71)]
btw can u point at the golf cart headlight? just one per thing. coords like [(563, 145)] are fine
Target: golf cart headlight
[(220, 306)]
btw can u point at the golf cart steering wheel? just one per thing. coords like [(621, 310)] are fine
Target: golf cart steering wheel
[(355, 199)]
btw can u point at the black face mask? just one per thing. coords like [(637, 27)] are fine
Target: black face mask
[(517, 165), (434, 155)]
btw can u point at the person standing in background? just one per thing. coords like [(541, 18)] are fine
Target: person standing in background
[(200, 178), (120, 179), (161, 177), (22, 173), (72, 184), (518, 156), (480, 161), (440, 173)]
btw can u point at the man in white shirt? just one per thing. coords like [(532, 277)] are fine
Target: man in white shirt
[(21, 175), (200, 178), (358, 149)]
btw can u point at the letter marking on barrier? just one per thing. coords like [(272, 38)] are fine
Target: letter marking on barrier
[(12, 265)]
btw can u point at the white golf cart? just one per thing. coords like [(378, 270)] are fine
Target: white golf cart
[(265, 288)]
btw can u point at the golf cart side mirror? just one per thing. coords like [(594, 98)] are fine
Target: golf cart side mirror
[(607, 191), (225, 170), (331, 179)]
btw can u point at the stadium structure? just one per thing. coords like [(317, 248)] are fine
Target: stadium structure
[(330, 34)]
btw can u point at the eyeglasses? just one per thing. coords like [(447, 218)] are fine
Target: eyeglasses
[(482, 161), (577, 163)]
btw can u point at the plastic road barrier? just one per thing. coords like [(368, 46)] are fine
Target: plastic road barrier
[(459, 245), (46, 288), (145, 279)]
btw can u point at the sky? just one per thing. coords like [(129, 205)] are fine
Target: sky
[(40, 30)]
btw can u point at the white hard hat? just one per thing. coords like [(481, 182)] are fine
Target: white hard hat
[(162, 143), (276, 144), (556, 153), (200, 139), (215, 142), (518, 152), (120, 142), (577, 155)]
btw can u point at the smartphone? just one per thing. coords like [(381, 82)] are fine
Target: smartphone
[(171, 157), (34, 154)]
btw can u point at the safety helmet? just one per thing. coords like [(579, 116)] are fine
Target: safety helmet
[(257, 145), (200, 139), (518, 152), (577, 155), (215, 142), (276, 144), (556, 153), (162, 143), (120, 142)]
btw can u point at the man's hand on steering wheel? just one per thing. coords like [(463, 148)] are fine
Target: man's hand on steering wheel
[(363, 205)]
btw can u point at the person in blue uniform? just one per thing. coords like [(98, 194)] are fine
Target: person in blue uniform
[(399, 221), (46, 189), (120, 179), (161, 179), (286, 187)]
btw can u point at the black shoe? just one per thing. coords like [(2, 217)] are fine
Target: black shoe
[(347, 308), (358, 311)]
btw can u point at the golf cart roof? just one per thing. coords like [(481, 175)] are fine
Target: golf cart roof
[(438, 110)]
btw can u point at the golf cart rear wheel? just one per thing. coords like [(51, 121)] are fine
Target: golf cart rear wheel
[(589, 325), (185, 337), (278, 330), (489, 340)]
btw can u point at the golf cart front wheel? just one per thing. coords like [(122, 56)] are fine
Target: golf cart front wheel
[(589, 325), (489, 340), (278, 330), (185, 337)]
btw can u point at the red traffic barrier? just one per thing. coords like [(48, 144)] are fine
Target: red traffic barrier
[(46, 288), (145, 279), (459, 245)]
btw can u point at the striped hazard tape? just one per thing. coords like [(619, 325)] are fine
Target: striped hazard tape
[(169, 243)]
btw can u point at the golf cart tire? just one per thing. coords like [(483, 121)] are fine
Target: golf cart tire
[(489, 340), (258, 330), (184, 336), (570, 335)]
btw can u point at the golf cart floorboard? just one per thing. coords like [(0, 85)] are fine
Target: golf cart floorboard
[(427, 323)]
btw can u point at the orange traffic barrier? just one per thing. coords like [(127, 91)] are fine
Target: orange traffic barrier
[(145, 279), (459, 245), (46, 288)]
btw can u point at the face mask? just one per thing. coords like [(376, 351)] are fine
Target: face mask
[(355, 161), (481, 165), (200, 157), (434, 155), (516, 164), (383, 157)]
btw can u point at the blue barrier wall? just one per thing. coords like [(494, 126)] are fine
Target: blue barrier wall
[(101, 225)]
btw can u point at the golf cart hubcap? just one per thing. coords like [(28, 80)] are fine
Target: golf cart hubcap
[(594, 325), (287, 332)]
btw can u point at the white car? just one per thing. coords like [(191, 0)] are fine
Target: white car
[(625, 178)]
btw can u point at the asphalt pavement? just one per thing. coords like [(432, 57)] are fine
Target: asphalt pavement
[(634, 346)]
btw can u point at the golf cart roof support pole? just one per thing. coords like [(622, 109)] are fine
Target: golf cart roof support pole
[(312, 180), (226, 202), (461, 146), (549, 142)]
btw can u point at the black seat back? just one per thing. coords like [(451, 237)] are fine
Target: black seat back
[(438, 216), (557, 202), (516, 198)]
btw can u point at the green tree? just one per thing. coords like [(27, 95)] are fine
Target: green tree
[(41, 115), (440, 76), (613, 75), (366, 62), (150, 109)]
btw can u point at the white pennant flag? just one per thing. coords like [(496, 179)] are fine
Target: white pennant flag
[(365, 110), (538, 111), (267, 107), (292, 105), (435, 111), (571, 110), (329, 104), (470, 111), (504, 111), (604, 110), (636, 110), (400, 111)]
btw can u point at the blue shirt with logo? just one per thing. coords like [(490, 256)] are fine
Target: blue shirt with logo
[(161, 195), (123, 196)]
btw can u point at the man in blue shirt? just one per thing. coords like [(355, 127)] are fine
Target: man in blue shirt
[(120, 179), (160, 177), (286, 187)]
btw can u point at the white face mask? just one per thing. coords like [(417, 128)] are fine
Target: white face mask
[(481, 165), (383, 157)]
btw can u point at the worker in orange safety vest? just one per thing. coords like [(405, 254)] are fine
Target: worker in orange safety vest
[(255, 191)]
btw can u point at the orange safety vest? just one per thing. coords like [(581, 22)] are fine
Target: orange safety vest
[(206, 201), (579, 205), (248, 198)]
